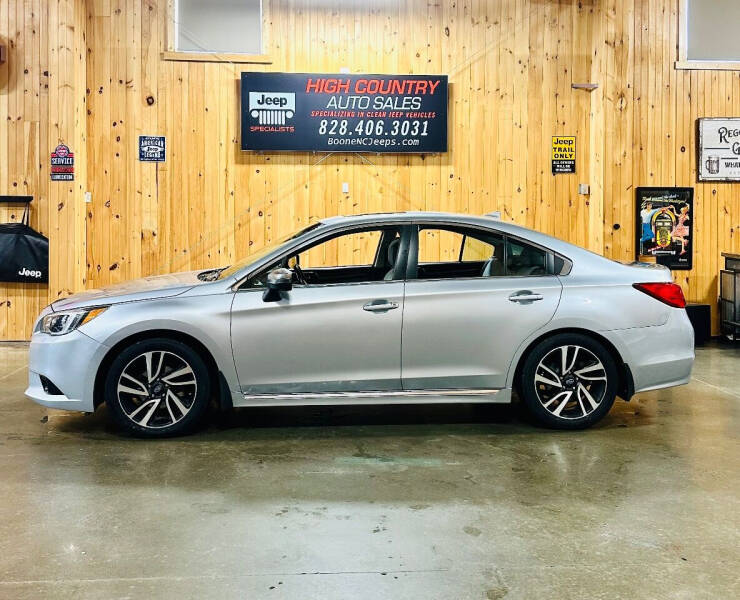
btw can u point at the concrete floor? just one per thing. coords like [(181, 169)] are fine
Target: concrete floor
[(368, 502)]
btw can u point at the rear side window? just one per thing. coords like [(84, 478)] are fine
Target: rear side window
[(455, 252), (460, 252)]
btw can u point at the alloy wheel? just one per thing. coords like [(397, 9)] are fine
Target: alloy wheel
[(570, 382), (157, 389)]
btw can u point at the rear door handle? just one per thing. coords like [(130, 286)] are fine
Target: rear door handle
[(380, 306), (525, 296)]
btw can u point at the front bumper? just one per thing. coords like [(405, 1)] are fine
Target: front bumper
[(68, 361)]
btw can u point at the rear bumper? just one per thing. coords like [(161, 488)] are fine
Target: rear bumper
[(68, 361), (661, 356)]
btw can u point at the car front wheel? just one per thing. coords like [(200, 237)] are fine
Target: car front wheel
[(157, 388), (568, 381)]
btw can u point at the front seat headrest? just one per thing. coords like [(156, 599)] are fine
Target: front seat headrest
[(529, 262), (393, 248), (392, 256)]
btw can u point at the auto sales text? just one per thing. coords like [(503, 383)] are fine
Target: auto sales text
[(336, 85)]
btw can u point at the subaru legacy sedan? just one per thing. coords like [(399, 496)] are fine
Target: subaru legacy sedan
[(410, 308)]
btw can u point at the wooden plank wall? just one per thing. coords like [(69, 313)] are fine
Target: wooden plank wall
[(511, 64), (42, 104)]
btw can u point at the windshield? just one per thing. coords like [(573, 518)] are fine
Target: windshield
[(264, 251)]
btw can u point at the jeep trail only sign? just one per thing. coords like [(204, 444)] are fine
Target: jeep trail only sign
[(344, 113), (563, 154)]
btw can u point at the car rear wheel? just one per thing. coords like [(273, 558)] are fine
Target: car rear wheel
[(569, 381), (158, 388)]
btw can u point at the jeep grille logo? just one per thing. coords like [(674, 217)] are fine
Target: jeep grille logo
[(271, 108)]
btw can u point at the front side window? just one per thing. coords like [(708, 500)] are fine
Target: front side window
[(357, 249), (359, 256)]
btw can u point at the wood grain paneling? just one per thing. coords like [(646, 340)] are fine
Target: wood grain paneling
[(42, 104), (91, 73)]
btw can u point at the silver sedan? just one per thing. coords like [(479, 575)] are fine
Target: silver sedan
[(371, 309)]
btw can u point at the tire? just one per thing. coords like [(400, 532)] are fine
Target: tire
[(158, 388), (568, 381)]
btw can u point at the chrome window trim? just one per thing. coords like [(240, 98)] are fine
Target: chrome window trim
[(325, 285), (479, 278)]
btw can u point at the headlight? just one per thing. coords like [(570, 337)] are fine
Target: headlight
[(63, 322)]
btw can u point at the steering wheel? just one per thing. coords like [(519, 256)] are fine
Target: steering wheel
[(299, 276)]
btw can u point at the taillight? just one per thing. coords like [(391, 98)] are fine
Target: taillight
[(670, 293)]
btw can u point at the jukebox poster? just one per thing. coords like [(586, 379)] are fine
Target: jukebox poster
[(665, 225)]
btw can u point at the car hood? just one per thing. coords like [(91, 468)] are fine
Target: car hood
[(147, 288)]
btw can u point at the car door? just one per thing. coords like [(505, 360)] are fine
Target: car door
[(338, 330), (472, 297)]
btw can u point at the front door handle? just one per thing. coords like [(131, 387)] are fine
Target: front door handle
[(525, 296), (380, 306)]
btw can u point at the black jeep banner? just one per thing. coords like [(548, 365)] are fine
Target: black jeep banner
[(344, 113)]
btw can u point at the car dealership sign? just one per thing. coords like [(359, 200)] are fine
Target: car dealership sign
[(344, 113), (719, 149)]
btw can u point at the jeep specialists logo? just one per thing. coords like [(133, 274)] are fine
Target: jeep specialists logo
[(271, 108), (26, 273)]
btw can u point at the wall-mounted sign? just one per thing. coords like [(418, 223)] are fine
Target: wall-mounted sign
[(664, 217), (62, 164), (563, 154), (152, 148), (344, 113), (719, 149)]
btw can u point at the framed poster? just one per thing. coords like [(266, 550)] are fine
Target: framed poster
[(664, 225), (344, 113), (719, 149)]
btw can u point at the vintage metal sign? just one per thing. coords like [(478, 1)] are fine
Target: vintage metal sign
[(563, 154), (62, 164), (152, 148), (344, 113), (719, 149), (664, 217)]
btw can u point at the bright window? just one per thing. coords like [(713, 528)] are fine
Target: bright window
[(708, 38), (218, 26), (353, 249)]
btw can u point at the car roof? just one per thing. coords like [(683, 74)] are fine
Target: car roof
[(486, 221), (395, 217)]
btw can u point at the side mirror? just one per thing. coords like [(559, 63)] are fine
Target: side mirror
[(278, 280)]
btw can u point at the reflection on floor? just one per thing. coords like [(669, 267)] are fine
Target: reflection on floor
[(377, 502)]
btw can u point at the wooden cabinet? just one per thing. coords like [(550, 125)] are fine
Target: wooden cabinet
[(729, 296)]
